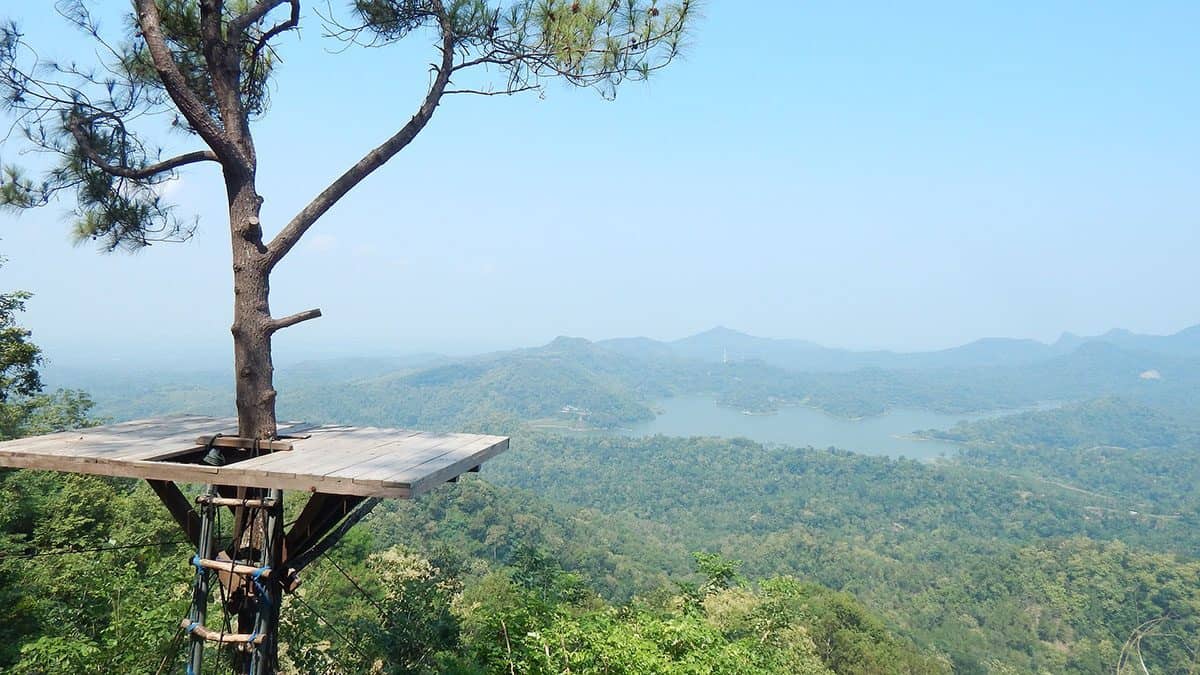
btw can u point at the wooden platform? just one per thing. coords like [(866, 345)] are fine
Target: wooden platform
[(363, 461)]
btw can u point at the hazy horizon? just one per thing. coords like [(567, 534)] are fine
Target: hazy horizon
[(182, 358), (986, 172)]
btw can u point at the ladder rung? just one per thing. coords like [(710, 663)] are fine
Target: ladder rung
[(226, 566), (216, 636), (234, 501)]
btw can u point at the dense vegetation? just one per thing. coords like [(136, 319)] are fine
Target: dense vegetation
[(914, 541), (1055, 543), (475, 577), (489, 600), (1141, 455)]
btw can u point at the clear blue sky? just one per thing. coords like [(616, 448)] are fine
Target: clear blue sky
[(901, 175)]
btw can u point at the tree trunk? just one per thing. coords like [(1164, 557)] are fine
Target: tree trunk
[(252, 329), (252, 326)]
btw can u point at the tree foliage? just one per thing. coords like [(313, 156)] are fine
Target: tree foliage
[(213, 79), (19, 357), (24, 408)]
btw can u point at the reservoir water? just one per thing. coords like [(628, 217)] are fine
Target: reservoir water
[(879, 435)]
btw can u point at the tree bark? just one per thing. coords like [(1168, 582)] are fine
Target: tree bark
[(252, 325), (252, 330)]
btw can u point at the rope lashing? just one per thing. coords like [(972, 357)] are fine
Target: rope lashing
[(256, 577)]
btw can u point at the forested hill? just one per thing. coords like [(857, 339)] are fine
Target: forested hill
[(573, 382), (568, 381), (1108, 446), (1111, 422), (573, 551), (722, 344), (990, 567)]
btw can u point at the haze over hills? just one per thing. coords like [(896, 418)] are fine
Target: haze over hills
[(720, 343), (716, 345), (616, 382)]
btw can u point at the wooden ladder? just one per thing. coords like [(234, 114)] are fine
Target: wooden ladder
[(252, 581)]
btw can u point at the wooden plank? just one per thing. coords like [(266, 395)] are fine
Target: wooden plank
[(231, 475), (424, 478), (58, 444), (310, 449), (138, 439), (335, 459), (377, 469), (239, 443), (409, 448), (336, 443), (198, 473), (319, 460), (225, 426), (183, 473), (127, 438), (418, 463), (345, 438)]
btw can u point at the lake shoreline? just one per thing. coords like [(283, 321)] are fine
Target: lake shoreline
[(894, 433)]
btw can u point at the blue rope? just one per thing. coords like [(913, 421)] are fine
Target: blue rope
[(191, 627), (264, 598)]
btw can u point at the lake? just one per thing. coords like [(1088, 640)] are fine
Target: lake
[(800, 426)]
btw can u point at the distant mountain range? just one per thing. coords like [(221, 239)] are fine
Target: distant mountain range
[(616, 382), (723, 344)]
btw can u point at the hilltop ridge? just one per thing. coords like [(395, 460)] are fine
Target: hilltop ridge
[(721, 343)]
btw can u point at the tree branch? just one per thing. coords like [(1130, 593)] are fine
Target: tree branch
[(152, 169), (291, 233), (279, 324), (292, 21), (256, 13), (179, 91), (494, 92), (84, 144)]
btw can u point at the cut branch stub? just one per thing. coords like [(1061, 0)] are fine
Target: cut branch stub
[(292, 320)]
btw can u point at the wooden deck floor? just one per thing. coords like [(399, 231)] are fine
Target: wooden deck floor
[(364, 461)]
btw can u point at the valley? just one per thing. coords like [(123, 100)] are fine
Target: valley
[(954, 527)]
